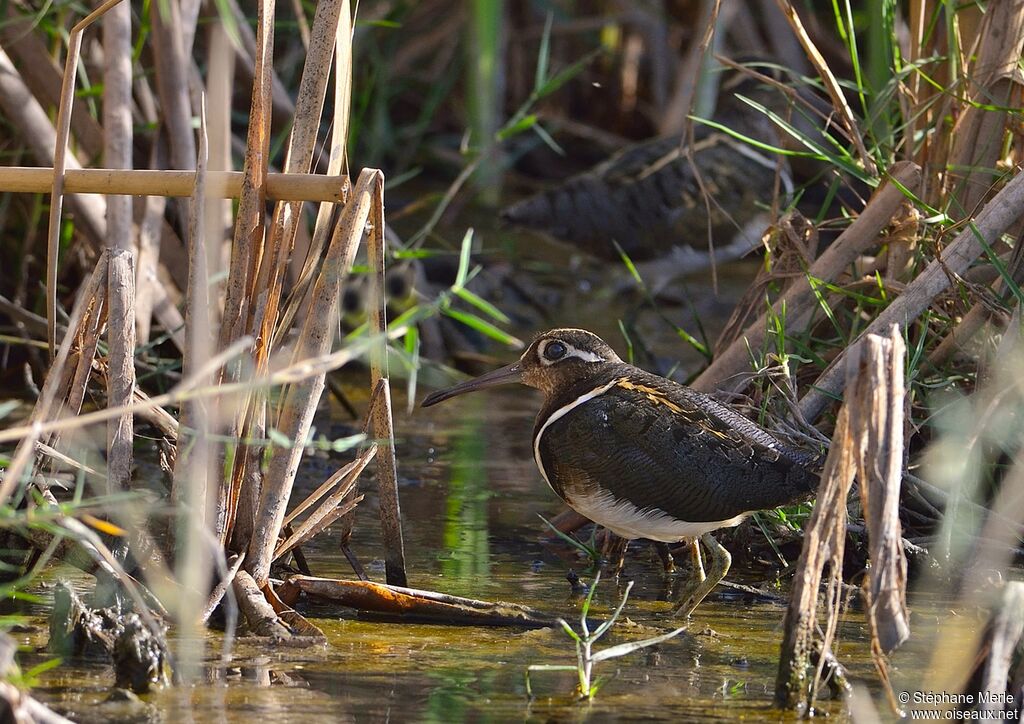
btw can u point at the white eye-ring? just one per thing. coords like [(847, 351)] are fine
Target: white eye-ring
[(555, 350)]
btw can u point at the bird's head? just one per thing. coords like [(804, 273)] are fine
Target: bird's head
[(553, 361)]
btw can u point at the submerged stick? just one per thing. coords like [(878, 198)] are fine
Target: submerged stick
[(416, 605)]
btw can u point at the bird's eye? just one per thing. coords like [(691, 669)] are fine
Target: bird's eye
[(555, 351)]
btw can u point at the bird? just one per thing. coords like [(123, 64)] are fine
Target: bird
[(648, 200), (644, 456)]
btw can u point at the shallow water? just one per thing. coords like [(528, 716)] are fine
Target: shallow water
[(471, 495)]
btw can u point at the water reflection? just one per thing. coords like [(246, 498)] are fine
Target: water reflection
[(466, 529)]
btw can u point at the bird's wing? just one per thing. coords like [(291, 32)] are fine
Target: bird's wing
[(662, 452)]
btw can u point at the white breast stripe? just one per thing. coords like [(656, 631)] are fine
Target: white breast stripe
[(558, 415)]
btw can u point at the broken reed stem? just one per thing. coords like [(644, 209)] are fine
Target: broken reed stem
[(332, 508), (876, 419), (980, 234), (981, 128), (824, 541), (383, 424), (730, 367), (337, 163), (67, 97)]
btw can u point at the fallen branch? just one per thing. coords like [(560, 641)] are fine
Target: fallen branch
[(409, 604)]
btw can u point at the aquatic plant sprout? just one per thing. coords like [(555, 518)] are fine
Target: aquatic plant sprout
[(586, 657)]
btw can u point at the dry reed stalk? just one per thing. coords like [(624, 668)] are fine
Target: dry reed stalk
[(301, 143), (877, 398), (192, 470), (148, 182), (791, 245), (980, 130), (383, 424), (244, 45), (88, 307), (219, 218), (300, 401), (222, 587), (246, 250), (797, 303), (824, 542), (831, 84), (190, 473), (117, 128), (292, 373), (336, 165), (993, 670), (249, 219), (60, 162), (675, 115), (191, 480), (23, 110), (981, 233)]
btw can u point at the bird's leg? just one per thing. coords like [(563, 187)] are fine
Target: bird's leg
[(695, 576), (615, 551), (696, 563), (719, 561), (666, 556)]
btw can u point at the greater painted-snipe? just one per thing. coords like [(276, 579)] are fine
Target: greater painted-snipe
[(649, 199), (644, 456)]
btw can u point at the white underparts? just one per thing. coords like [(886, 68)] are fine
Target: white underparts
[(627, 520), (621, 516)]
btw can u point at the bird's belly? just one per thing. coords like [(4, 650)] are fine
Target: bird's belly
[(627, 520)]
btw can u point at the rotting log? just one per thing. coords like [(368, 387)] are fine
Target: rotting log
[(824, 542), (410, 604), (876, 424)]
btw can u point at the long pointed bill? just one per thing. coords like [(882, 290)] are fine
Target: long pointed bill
[(502, 376)]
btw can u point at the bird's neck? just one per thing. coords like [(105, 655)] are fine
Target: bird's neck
[(567, 394)]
